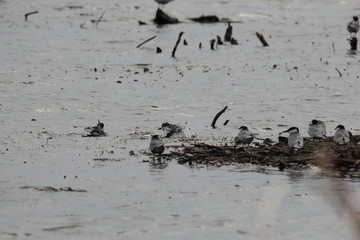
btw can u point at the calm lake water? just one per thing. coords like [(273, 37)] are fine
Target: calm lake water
[(60, 72)]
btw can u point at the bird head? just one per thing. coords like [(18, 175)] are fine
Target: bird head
[(292, 130), (340, 127)]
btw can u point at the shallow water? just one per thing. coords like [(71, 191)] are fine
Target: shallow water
[(50, 92)]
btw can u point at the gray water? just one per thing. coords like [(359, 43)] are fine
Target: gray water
[(50, 93)]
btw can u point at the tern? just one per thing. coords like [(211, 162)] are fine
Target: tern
[(163, 2), (295, 140), (341, 136), (317, 129), (244, 136)]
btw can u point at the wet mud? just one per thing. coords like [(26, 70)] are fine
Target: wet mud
[(322, 153)]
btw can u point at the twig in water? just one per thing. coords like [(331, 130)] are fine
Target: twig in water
[(226, 122), (217, 116), (262, 39), (145, 41), (338, 72), (177, 43), (228, 33), (102, 15), (30, 13)]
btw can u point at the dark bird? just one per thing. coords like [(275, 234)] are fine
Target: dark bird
[(156, 145), (95, 131), (353, 26)]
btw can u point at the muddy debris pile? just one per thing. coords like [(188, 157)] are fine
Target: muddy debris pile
[(323, 153)]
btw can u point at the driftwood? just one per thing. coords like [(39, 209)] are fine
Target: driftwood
[(30, 13), (176, 45), (217, 116), (262, 39), (323, 153), (162, 18)]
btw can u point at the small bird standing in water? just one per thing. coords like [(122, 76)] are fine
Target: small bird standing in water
[(163, 2), (317, 129), (353, 26), (96, 131), (156, 145), (295, 140), (244, 136), (341, 136)]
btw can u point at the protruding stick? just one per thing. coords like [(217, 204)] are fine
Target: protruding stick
[(217, 116), (212, 44), (219, 41), (177, 43), (145, 41), (338, 72), (30, 13), (102, 15), (262, 39), (353, 43)]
